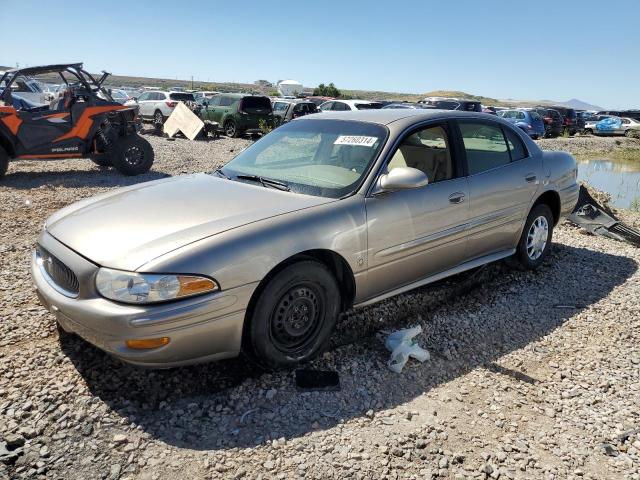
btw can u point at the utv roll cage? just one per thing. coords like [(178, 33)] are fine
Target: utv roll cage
[(85, 79)]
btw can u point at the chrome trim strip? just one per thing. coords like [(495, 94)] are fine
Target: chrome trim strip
[(50, 281), (421, 241), (439, 276)]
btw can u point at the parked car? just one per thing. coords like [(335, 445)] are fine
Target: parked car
[(204, 95), (119, 96), (29, 89), (326, 213), (84, 123), (318, 100), (158, 105), (635, 114), (580, 121), (569, 119), (345, 105), (412, 106), (286, 110), (453, 104), (553, 123), (617, 126), (527, 120), (238, 113), (591, 121)]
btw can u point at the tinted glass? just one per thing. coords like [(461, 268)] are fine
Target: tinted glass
[(328, 158), (327, 106), (368, 106), (182, 97), (256, 104), (428, 151), (484, 145), (226, 101), (517, 148)]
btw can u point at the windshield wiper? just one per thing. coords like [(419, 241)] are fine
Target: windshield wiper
[(221, 173), (265, 181)]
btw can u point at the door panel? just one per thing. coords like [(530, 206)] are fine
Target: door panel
[(415, 233), (39, 129)]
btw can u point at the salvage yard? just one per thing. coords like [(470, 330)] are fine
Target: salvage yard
[(532, 374)]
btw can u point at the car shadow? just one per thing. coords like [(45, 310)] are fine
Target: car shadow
[(233, 404), (90, 177)]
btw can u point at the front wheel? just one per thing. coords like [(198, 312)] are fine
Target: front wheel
[(293, 316), (628, 133), (133, 155), (535, 240)]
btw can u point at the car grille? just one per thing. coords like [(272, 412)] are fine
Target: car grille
[(58, 274)]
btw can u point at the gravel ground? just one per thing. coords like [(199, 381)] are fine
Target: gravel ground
[(589, 144), (532, 374)]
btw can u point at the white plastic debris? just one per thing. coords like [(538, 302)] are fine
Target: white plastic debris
[(184, 120), (402, 345)]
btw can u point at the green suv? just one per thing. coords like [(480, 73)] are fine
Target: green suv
[(238, 114)]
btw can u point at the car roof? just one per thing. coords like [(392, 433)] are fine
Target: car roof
[(386, 116)]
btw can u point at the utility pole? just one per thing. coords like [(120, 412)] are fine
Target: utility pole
[(191, 82)]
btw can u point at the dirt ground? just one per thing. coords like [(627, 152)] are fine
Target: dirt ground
[(532, 374)]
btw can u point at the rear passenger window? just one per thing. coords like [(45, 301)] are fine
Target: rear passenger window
[(516, 147), (485, 146), (226, 101)]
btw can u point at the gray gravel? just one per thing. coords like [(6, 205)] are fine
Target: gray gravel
[(589, 144), (532, 374)]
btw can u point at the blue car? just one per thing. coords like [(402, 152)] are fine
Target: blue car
[(529, 121)]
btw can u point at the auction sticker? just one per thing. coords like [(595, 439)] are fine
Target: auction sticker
[(356, 140)]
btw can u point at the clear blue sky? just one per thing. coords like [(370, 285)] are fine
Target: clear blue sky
[(505, 49)]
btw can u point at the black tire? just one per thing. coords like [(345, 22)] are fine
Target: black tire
[(230, 129), (530, 253), (4, 162), (133, 155), (628, 133), (158, 118), (104, 141), (588, 131), (294, 316)]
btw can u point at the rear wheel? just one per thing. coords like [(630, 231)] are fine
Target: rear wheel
[(230, 129), (4, 162), (294, 315), (158, 118), (628, 133), (133, 155), (535, 241)]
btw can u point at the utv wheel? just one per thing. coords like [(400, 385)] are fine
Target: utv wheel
[(4, 162), (230, 129), (133, 155), (535, 241), (293, 316)]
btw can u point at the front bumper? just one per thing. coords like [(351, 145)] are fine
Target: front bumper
[(200, 329)]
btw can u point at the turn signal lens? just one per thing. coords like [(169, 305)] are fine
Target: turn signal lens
[(147, 343), (194, 285)]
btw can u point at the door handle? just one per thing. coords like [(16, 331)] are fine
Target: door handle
[(457, 197), (531, 177)]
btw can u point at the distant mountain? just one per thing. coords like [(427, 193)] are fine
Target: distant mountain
[(580, 105)]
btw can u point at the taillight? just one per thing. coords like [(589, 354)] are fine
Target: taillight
[(171, 104)]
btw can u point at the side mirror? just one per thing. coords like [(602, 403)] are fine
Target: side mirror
[(402, 178)]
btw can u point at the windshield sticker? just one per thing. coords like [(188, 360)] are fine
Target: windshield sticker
[(356, 140)]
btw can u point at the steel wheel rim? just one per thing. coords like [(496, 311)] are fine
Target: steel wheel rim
[(296, 320), (134, 156), (537, 237)]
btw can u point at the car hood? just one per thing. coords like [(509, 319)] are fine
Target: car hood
[(129, 227)]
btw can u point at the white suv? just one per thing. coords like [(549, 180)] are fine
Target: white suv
[(342, 105), (158, 105)]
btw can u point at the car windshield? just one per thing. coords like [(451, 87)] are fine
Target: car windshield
[(181, 97), (327, 158), (535, 116)]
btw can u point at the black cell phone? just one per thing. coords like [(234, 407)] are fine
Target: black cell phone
[(317, 380)]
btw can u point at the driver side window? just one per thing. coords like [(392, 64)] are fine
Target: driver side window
[(427, 150)]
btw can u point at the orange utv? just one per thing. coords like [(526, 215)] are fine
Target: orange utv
[(83, 122)]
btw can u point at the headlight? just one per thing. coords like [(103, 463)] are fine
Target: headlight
[(130, 287)]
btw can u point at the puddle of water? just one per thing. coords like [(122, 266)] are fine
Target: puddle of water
[(620, 179)]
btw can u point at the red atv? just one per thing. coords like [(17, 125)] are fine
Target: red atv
[(84, 122)]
